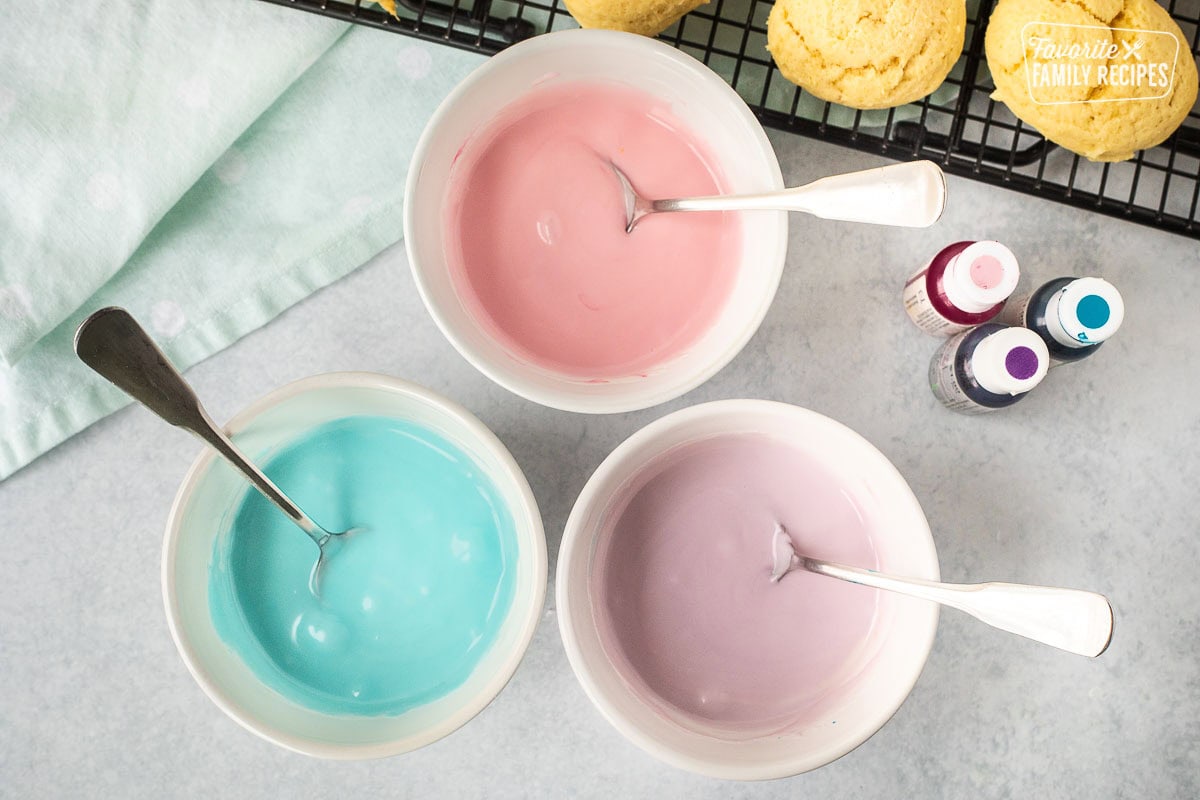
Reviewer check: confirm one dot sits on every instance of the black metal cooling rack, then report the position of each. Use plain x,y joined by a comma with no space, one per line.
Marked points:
959,126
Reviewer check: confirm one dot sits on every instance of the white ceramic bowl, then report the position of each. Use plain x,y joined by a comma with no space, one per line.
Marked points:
700,99
906,625
202,509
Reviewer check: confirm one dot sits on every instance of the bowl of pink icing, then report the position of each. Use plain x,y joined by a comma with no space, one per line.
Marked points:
671,620
514,221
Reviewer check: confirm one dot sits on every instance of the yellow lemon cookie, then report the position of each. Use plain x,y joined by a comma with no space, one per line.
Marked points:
867,53
1102,78
647,17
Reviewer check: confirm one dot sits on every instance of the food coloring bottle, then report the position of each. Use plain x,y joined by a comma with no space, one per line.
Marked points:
964,285
987,368
1072,315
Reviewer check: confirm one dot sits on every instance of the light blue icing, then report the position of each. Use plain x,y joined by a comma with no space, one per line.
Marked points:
405,610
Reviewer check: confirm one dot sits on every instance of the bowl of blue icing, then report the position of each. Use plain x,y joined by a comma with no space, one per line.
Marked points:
414,624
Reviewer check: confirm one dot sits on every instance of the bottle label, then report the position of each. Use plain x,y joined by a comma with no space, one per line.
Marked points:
944,382
1014,310
920,309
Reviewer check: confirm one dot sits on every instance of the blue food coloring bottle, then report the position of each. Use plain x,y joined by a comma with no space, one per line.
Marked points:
1074,316
987,368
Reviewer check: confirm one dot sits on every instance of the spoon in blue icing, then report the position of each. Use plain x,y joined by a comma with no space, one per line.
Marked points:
113,344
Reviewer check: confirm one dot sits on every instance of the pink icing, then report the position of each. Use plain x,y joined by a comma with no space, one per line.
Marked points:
682,590
535,235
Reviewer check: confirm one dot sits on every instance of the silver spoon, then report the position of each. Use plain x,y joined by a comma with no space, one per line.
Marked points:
112,343
910,195
1069,619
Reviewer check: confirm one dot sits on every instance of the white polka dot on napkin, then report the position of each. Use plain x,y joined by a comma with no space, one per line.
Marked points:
167,318
414,62
104,191
231,167
357,206
15,302
8,101
195,93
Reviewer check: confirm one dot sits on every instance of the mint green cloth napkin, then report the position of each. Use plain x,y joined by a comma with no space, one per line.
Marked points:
205,163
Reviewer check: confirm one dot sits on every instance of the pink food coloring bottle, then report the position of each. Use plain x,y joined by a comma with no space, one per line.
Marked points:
962,286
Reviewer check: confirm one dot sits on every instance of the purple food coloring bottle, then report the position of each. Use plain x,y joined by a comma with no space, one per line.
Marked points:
987,368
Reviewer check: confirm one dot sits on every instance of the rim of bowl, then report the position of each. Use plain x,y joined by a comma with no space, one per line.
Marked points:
563,401
572,540
527,505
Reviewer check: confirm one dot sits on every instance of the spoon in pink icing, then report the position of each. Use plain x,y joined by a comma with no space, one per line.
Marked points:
1069,619
910,195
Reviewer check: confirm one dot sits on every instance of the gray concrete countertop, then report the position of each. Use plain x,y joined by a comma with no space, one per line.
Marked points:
1090,482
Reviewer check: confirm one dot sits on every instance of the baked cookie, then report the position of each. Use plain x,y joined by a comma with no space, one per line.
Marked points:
867,53
647,17
1102,78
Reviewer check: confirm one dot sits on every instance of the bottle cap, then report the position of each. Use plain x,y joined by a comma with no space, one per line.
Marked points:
1084,312
1010,361
983,275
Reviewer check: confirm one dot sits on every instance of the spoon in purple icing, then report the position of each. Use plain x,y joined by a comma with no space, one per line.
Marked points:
1069,619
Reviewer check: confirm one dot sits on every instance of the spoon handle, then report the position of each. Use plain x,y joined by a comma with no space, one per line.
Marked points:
1070,619
910,195
113,344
